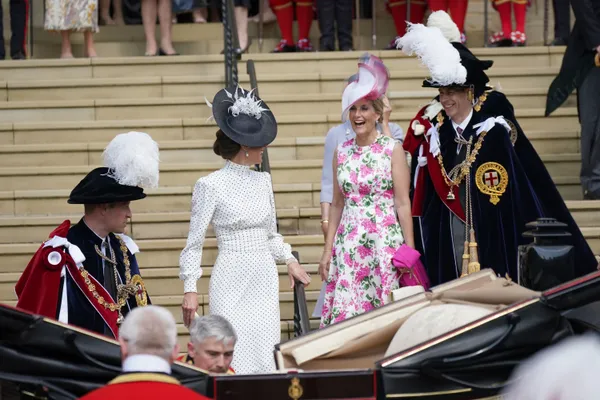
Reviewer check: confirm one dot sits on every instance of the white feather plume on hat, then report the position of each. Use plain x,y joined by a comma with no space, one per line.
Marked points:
435,52
132,159
441,19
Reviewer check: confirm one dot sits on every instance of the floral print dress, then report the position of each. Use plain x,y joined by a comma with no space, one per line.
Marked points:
75,15
361,274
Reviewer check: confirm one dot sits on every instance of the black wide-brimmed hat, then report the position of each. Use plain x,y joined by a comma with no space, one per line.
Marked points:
98,187
244,117
130,163
449,64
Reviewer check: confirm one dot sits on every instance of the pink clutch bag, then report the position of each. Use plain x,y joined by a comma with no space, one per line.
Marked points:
412,272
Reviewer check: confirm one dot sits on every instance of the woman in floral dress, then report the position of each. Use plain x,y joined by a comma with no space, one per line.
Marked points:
66,16
373,187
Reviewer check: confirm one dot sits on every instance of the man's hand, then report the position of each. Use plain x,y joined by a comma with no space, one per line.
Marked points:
189,307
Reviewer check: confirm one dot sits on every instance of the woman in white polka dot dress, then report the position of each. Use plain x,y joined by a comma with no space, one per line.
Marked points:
238,201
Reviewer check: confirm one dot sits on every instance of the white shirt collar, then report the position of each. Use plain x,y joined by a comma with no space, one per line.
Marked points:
146,363
463,125
102,238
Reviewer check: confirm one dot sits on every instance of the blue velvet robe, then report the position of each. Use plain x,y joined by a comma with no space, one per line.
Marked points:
81,312
530,194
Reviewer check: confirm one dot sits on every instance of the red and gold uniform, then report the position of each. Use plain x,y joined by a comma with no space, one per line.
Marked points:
456,8
144,385
399,11
507,36
284,10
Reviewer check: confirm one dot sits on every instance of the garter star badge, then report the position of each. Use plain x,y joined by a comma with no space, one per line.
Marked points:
491,179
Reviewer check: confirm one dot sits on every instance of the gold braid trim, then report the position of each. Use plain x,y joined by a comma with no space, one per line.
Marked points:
281,7
466,165
123,291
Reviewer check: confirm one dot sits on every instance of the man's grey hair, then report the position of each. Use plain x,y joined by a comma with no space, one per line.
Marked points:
209,326
150,330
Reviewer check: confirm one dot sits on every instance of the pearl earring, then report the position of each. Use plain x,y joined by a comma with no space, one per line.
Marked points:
246,154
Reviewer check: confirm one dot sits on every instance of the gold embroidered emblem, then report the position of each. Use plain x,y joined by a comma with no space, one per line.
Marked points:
513,132
141,296
295,390
492,179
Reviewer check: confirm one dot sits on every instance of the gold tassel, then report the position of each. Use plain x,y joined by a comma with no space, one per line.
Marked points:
473,256
465,260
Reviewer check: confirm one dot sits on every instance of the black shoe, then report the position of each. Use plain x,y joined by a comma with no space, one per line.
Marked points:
559,42
284,47
18,56
590,196
162,53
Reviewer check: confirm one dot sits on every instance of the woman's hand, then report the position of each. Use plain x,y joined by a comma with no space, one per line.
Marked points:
297,273
324,265
387,109
189,307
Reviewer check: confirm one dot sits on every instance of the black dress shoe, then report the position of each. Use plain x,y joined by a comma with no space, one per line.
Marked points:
18,56
162,53
559,42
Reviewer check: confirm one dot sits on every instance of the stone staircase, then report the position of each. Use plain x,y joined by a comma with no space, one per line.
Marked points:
56,116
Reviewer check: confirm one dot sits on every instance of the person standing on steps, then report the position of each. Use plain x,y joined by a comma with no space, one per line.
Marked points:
399,11
335,14
284,10
240,205
370,211
163,9
580,70
67,16
18,27
473,192
87,274
337,135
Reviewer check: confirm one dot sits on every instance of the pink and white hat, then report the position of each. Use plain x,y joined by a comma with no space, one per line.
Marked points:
371,83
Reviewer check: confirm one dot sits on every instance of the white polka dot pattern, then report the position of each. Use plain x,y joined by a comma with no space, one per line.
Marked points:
244,286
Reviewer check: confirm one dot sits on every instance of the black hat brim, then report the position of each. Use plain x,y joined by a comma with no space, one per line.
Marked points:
243,129
97,187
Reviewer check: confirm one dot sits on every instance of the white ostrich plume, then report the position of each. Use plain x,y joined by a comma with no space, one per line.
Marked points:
132,159
245,104
441,19
435,52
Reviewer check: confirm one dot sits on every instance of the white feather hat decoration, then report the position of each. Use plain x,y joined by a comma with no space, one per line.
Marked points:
435,52
440,19
132,159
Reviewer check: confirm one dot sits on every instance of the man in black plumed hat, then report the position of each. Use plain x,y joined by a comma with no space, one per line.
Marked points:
87,274
473,192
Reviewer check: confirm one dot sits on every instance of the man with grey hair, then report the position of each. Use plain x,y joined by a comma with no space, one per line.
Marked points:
148,339
211,345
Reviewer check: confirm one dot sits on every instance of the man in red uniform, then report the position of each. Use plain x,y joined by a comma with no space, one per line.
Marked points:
458,11
399,10
212,341
284,10
507,36
148,339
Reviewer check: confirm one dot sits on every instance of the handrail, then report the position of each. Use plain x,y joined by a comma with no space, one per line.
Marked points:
301,319
251,71
231,45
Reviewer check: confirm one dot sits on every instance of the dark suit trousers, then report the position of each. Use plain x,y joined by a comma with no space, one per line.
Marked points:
330,13
562,19
589,104
18,15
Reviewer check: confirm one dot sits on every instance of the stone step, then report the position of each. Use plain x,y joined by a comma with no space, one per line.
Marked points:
166,282
163,199
196,107
191,151
343,63
163,253
176,151
194,85
175,225
299,125
160,225
294,171
177,199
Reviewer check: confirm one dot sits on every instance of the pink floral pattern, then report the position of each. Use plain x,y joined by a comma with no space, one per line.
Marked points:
361,275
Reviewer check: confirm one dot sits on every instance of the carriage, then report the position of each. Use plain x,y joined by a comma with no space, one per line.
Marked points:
460,340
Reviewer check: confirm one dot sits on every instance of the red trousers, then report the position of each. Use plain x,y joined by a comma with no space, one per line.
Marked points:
284,10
